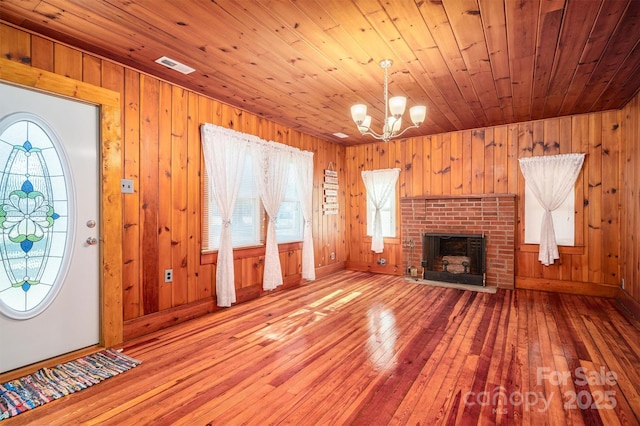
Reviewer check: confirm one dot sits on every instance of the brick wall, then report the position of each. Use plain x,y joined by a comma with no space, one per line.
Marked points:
491,215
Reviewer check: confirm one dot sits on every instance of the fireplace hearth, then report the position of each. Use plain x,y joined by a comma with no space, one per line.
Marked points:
454,258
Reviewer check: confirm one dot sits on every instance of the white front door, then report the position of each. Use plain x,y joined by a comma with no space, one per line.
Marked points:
49,230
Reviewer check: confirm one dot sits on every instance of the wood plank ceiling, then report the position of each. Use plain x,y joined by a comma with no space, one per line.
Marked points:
303,63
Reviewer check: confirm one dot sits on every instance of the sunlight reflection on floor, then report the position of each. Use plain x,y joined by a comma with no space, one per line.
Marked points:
382,337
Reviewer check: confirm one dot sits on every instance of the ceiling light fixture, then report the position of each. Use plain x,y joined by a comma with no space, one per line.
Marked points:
174,65
395,105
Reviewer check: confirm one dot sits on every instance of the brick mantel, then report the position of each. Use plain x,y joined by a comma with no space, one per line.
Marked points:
493,215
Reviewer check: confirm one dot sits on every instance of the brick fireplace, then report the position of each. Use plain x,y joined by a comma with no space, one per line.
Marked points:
491,215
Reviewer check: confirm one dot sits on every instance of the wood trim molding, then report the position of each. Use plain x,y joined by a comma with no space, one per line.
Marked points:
572,287
387,268
46,81
332,268
48,363
629,303
386,240
159,320
535,248
111,317
243,253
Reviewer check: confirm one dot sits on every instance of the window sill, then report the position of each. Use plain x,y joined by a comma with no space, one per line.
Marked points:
211,257
535,248
385,240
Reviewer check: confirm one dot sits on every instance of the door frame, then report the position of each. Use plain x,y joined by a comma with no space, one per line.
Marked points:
110,172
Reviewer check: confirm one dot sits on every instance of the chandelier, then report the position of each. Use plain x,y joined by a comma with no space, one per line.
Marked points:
395,106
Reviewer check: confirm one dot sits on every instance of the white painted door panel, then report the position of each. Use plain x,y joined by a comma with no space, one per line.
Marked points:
71,320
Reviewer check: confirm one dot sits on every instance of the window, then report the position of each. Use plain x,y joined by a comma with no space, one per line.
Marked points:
249,218
387,215
563,220
36,208
550,186
289,222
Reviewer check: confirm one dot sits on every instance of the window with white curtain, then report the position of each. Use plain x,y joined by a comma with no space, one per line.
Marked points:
248,220
230,159
551,180
563,219
289,223
387,215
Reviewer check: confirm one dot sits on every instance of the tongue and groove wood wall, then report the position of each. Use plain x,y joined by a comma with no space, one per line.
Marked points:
485,161
630,205
162,155
161,145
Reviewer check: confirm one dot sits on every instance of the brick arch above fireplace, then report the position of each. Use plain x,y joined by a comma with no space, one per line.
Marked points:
491,215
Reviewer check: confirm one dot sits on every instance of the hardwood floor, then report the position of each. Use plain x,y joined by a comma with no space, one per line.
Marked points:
363,349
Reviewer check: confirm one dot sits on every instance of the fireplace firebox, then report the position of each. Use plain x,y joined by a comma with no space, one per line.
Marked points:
454,258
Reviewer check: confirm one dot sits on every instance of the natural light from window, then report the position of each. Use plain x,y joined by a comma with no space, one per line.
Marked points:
289,223
563,220
387,216
249,218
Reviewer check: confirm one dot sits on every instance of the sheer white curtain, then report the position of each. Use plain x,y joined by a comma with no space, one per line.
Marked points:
224,152
271,165
551,179
304,178
379,185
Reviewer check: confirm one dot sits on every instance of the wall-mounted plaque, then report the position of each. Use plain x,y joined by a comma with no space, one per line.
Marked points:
330,186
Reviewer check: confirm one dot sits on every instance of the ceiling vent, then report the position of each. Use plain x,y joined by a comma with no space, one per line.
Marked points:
175,65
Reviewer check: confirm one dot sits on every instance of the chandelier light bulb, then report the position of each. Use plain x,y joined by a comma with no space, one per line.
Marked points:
358,113
418,114
397,105
366,125
392,125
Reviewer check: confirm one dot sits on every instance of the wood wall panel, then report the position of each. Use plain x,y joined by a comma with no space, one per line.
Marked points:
466,162
42,53
149,192
611,139
630,202
199,287
162,155
67,62
131,247
16,45
594,198
166,295
485,161
185,292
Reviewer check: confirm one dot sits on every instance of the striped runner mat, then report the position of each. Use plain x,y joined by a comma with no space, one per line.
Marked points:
48,384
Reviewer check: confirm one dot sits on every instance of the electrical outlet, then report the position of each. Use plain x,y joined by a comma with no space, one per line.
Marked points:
127,186
332,256
623,283
168,275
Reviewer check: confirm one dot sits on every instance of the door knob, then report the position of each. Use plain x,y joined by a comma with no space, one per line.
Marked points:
92,241
91,224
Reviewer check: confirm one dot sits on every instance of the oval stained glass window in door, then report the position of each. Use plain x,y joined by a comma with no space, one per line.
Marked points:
36,229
